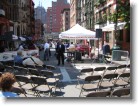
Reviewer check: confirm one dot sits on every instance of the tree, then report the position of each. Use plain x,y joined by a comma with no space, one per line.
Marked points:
121,14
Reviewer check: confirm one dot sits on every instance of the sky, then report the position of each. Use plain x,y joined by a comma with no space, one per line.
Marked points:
45,3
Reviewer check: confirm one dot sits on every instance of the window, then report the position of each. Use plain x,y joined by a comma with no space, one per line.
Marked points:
66,13
107,37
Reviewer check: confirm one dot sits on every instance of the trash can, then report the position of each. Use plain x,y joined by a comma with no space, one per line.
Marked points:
116,55
78,56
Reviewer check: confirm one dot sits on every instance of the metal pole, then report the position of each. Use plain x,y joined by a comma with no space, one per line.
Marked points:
115,33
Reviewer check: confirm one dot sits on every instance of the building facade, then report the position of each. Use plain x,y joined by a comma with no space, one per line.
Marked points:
53,16
65,19
104,15
40,13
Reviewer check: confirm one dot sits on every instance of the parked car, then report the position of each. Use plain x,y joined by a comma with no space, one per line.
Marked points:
83,48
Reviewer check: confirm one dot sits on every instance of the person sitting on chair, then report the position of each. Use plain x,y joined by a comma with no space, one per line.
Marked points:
33,60
6,84
18,59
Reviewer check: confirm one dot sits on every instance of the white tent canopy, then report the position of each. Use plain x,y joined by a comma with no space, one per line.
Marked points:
77,32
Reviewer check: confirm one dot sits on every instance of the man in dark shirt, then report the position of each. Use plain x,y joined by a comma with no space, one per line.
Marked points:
60,49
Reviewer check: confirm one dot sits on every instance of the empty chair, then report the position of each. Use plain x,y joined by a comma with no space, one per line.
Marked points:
121,68
91,83
99,94
123,92
99,71
21,70
110,69
35,72
9,63
50,67
42,86
9,68
123,80
30,66
39,67
51,80
83,74
108,81
24,82
53,69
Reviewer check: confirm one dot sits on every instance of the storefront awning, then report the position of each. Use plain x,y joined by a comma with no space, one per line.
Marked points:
111,27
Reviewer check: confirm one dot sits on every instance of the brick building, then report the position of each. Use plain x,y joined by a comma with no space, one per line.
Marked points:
53,16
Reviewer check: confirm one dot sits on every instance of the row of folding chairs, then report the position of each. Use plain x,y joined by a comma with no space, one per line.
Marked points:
102,71
121,92
27,75
107,81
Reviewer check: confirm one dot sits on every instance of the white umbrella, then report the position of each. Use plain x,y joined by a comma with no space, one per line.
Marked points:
14,37
22,38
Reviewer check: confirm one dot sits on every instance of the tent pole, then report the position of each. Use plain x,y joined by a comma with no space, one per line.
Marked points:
98,48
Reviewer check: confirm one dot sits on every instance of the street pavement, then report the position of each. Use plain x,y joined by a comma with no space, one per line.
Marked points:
69,72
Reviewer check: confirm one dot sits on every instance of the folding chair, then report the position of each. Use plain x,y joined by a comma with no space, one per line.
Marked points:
99,94
123,92
51,80
34,72
30,66
83,74
21,70
53,68
110,69
39,67
91,83
24,83
121,68
99,71
42,86
123,80
9,68
108,81
18,91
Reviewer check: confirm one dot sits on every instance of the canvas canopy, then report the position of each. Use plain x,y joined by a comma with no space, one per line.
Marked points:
77,32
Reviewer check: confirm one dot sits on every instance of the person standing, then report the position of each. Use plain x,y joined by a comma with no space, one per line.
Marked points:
60,49
46,51
106,48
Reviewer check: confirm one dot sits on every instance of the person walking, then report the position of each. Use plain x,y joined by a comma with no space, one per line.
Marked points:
46,51
60,49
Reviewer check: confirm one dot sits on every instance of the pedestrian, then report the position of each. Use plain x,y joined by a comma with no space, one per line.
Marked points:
33,60
46,51
18,58
6,84
60,49
106,48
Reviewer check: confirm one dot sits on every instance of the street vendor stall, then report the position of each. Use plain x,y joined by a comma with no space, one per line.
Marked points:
78,32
